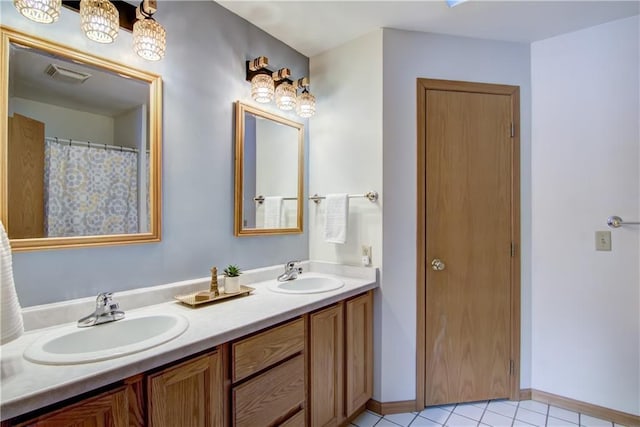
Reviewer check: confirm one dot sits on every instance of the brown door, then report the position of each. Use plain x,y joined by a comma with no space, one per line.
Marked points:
469,240
25,177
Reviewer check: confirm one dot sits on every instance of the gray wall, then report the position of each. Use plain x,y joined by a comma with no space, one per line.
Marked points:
407,56
203,74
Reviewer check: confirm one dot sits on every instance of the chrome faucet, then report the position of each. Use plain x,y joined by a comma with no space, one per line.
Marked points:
290,271
106,311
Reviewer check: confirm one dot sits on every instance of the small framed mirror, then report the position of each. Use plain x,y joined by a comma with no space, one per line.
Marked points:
80,149
269,167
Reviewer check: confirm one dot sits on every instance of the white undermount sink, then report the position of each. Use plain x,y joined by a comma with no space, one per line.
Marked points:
73,345
306,284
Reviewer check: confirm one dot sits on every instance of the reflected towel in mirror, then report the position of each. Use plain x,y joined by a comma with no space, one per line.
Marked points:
273,212
10,310
336,218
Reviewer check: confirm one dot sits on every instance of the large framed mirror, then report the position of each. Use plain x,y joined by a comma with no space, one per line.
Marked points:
269,174
80,149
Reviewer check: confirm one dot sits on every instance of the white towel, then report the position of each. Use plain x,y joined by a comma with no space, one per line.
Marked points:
336,218
10,310
273,212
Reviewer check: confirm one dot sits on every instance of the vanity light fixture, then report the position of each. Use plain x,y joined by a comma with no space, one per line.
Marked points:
285,92
42,11
99,20
267,85
262,85
306,101
149,37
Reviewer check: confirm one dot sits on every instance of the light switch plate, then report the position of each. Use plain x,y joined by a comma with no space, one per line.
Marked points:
603,240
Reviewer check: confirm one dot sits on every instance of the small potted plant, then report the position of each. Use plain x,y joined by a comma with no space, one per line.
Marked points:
232,279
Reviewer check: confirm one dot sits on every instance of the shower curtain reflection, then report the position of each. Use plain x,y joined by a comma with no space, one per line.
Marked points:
89,190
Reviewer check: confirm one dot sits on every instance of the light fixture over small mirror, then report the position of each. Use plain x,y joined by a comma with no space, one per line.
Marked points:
267,85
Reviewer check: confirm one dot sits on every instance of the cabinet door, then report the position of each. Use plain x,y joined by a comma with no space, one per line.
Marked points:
358,352
326,366
190,394
106,410
271,396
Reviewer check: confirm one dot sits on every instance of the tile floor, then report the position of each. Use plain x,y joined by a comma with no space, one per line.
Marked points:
495,413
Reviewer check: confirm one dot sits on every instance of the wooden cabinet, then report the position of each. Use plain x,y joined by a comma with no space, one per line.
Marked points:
313,370
358,352
270,397
326,353
269,377
109,409
188,394
257,352
341,360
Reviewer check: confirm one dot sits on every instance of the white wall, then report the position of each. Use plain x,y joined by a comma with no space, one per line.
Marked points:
351,135
407,56
346,149
346,155
586,142
128,130
65,122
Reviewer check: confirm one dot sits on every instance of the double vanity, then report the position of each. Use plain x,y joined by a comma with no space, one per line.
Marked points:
291,353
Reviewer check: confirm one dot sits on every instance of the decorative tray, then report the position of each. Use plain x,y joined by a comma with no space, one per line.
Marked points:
191,300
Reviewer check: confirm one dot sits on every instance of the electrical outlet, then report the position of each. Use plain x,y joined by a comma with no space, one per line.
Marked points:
366,255
603,240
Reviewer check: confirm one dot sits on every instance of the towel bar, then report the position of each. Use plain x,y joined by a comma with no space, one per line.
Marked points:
617,222
260,199
371,195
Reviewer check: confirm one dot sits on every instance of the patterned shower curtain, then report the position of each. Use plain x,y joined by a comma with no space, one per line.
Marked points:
89,191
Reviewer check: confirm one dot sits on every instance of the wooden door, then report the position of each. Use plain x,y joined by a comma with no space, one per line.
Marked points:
326,366
109,409
470,237
358,352
190,394
25,153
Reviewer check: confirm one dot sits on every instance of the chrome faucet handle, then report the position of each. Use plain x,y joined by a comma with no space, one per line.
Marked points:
290,265
103,299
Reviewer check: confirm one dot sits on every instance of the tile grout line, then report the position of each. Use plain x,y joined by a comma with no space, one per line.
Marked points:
513,420
450,413
483,412
546,419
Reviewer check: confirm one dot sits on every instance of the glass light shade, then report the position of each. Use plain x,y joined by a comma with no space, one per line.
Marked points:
262,88
286,96
99,20
149,39
306,104
42,11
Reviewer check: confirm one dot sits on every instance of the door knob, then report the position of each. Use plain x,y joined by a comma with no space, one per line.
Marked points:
437,265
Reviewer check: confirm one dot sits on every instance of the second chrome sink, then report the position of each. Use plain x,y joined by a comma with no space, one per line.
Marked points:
307,284
71,345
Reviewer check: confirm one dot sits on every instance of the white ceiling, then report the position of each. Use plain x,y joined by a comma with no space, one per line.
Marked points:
312,27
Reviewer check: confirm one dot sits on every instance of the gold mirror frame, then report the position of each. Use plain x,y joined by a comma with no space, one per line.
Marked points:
239,229
9,36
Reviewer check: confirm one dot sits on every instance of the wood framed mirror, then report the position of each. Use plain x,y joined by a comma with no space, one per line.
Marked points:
80,149
269,170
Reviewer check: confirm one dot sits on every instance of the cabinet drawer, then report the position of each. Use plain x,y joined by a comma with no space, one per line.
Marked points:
296,421
263,400
260,351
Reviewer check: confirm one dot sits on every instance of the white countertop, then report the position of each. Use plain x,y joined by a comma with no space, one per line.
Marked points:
27,386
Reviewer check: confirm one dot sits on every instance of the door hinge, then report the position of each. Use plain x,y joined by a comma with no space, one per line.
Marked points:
512,367
513,130
513,249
